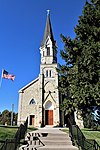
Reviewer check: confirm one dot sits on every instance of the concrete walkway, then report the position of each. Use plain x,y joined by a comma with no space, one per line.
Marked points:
49,139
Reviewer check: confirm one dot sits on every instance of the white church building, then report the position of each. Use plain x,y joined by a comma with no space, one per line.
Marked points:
39,101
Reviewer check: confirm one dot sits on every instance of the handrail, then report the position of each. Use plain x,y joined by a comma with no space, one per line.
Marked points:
33,137
79,139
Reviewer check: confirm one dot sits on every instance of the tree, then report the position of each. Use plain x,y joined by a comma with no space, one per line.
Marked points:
79,76
5,117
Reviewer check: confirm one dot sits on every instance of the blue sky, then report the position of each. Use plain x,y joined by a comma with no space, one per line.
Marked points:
22,24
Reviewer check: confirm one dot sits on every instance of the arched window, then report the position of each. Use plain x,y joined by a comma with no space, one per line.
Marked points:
49,105
32,101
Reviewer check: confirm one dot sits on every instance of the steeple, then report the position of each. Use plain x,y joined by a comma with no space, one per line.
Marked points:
48,45
48,30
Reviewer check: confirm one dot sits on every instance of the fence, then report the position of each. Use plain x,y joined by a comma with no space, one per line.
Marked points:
79,139
13,143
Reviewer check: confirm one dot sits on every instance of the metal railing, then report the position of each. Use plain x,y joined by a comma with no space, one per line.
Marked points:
33,140
79,140
13,143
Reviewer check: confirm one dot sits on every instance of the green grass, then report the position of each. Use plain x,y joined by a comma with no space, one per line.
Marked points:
89,134
9,132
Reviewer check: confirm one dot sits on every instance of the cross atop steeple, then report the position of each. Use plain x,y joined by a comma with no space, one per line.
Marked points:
48,12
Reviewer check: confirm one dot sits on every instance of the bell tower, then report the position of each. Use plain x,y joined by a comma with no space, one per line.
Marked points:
49,77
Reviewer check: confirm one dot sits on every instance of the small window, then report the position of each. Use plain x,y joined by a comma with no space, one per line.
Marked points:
48,51
43,53
32,101
46,73
50,73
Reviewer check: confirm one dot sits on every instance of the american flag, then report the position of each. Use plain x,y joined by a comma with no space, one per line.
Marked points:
6,75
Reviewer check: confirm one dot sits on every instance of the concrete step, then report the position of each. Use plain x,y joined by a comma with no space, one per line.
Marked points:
57,138
60,147
56,142
56,135
45,134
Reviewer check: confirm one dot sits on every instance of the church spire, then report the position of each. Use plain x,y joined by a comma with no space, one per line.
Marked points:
48,30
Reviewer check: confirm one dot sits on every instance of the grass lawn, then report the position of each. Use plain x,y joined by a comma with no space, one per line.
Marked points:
89,134
9,132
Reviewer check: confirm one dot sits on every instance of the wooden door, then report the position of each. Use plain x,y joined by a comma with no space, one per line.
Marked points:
32,120
49,117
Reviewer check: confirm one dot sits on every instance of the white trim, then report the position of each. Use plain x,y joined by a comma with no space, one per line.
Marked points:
29,84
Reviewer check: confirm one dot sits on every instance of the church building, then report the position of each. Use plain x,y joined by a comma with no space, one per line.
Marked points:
39,101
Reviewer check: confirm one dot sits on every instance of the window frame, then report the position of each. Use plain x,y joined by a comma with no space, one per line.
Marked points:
47,73
50,73
48,51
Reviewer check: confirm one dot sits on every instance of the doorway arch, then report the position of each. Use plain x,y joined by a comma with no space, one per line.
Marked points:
49,113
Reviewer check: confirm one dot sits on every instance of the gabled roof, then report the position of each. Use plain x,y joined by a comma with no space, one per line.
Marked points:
26,86
48,31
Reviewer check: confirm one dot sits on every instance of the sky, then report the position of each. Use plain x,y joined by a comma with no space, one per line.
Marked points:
22,24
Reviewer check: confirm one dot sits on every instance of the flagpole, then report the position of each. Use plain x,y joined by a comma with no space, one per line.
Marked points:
12,114
1,78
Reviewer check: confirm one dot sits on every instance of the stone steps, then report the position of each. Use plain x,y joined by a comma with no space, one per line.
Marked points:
52,139
57,142
57,138
56,147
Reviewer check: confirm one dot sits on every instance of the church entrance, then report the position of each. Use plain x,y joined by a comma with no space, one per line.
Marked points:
32,119
49,117
49,113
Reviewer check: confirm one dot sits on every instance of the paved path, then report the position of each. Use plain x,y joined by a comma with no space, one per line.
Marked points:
51,138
